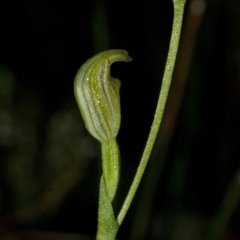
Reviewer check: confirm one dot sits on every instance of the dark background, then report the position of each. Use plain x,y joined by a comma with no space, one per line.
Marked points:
50,166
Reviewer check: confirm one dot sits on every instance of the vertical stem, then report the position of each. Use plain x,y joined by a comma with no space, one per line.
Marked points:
176,30
188,39
111,166
107,224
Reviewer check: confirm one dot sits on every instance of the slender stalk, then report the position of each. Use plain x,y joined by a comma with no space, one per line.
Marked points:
176,30
158,156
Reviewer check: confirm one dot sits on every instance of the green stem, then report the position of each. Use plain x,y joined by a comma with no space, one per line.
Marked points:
176,30
107,224
111,166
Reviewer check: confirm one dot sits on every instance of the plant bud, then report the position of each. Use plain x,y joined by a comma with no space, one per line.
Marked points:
97,94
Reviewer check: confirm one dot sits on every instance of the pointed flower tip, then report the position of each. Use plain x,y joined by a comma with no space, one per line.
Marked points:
116,55
128,59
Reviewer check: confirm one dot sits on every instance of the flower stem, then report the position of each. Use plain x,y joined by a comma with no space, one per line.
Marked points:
111,166
176,30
